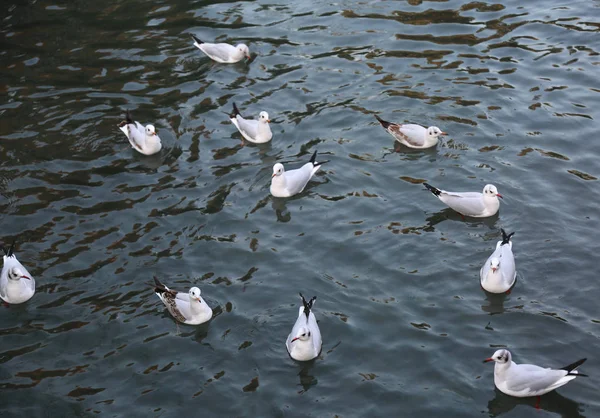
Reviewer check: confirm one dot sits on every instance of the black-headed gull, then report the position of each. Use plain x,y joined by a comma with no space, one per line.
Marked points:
304,342
256,131
16,284
223,53
188,308
288,183
474,204
498,274
412,135
144,140
524,380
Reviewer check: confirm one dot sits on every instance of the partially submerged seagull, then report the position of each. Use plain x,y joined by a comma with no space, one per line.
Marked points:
16,284
304,342
289,183
223,53
188,308
256,131
144,140
412,135
498,274
477,205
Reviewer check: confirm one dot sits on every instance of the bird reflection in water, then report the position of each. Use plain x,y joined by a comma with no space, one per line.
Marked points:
306,379
552,402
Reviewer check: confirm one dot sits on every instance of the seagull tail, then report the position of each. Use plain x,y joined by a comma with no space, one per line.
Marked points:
384,123
505,237
8,252
196,40
307,305
128,120
434,190
159,288
571,368
236,112
314,162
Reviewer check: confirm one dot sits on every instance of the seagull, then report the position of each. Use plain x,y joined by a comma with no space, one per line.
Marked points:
288,183
411,135
223,53
476,205
498,274
188,308
524,380
16,284
142,139
256,131
304,342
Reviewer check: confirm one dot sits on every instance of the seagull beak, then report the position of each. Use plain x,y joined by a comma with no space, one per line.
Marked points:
274,174
444,133
494,269
153,133
499,195
199,300
268,120
25,277
295,339
487,360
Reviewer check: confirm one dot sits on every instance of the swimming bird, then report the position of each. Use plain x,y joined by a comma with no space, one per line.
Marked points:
412,135
474,204
16,284
142,139
223,53
256,131
304,342
188,308
498,274
288,183
524,380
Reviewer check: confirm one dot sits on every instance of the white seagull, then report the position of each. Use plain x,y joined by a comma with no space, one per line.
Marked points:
304,342
411,135
498,274
474,204
223,53
256,131
524,380
16,284
288,183
188,308
142,139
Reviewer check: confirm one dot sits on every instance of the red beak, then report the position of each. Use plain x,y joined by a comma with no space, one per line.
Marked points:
25,277
274,174
444,133
295,339
487,360
268,120
499,195
494,269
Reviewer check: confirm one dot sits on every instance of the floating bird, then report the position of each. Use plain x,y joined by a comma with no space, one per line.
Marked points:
477,205
256,131
142,139
411,135
188,308
288,183
304,342
16,284
498,274
223,53
524,380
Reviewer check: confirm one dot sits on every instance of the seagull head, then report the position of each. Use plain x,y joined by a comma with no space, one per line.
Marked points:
264,117
500,356
150,131
490,191
195,294
16,273
243,48
302,335
277,170
494,264
434,132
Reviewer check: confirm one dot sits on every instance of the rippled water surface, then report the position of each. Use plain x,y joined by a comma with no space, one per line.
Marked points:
404,320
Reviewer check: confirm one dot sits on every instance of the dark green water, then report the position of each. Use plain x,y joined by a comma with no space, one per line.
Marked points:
405,324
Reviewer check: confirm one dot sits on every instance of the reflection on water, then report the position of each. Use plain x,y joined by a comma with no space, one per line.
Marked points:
307,380
552,402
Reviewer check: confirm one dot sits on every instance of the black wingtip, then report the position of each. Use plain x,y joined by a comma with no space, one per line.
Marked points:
307,305
313,159
573,366
236,112
12,248
506,237
128,117
158,286
434,190
384,123
198,41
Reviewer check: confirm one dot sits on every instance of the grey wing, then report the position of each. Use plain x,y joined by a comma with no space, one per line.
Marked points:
137,135
534,378
296,180
507,264
470,204
413,134
175,307
300,322
248,126
3,281
315,331
218,51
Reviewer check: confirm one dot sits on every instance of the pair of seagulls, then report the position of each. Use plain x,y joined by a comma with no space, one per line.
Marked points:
303,343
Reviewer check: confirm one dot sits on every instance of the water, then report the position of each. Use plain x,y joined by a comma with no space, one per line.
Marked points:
404,320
